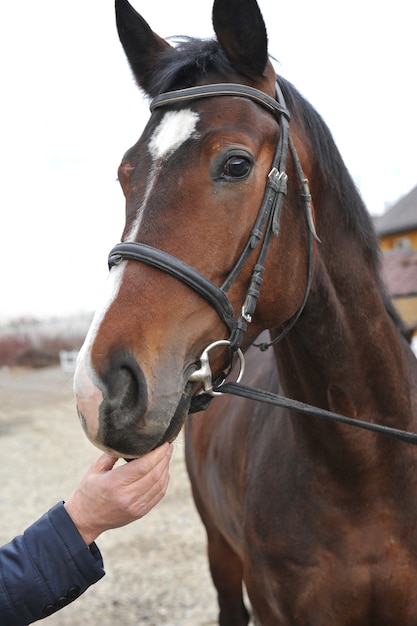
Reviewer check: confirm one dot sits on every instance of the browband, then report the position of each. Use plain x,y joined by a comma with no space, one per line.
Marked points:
220,89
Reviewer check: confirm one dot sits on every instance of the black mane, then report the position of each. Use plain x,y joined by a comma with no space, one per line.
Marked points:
335,175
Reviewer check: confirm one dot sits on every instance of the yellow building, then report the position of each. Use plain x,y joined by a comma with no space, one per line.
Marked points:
397,232
397,228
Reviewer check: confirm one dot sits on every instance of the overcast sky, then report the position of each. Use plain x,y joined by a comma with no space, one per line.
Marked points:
70,109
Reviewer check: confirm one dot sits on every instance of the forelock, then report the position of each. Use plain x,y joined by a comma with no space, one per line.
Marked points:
187,63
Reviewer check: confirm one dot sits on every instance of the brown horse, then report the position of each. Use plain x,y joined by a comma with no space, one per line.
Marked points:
318,520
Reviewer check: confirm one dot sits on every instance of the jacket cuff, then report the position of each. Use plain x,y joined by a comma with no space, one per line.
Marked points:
50,566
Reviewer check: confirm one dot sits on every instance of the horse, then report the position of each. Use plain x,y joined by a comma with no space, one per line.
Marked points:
242,221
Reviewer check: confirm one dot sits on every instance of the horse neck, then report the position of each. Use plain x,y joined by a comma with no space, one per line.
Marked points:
345,352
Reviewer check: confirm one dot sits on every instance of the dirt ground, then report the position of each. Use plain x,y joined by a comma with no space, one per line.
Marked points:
156,568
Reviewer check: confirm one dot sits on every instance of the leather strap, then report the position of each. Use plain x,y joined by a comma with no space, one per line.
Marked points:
220,89
260,395
180,270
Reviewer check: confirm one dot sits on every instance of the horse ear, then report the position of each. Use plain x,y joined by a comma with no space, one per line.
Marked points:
241,32
141,45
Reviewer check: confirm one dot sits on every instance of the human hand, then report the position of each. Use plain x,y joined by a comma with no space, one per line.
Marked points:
109,498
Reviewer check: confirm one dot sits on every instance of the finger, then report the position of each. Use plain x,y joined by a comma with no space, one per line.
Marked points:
147,487
152,458
144,465
159,490
104,463
152,497
153,480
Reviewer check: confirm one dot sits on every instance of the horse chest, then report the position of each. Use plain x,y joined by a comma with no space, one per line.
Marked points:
323,576
311,557
336,593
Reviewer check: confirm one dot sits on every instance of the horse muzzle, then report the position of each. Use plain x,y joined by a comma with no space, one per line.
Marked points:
118,408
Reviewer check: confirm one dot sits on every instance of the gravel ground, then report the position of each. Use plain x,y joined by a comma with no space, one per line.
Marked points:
157,571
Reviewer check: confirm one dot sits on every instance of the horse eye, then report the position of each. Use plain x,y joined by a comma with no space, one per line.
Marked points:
236,167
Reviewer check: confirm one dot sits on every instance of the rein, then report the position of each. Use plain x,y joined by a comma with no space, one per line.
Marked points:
266,225
218,387
260,395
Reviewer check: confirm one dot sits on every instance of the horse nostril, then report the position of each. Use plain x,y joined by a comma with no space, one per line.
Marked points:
128,391
125,390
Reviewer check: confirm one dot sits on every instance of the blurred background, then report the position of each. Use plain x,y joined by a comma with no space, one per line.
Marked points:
70,109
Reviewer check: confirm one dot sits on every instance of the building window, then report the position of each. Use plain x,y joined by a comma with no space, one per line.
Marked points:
400,243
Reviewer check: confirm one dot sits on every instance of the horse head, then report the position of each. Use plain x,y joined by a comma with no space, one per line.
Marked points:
194,183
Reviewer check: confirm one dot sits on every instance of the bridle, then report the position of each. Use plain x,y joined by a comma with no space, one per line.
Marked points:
266,224
265,227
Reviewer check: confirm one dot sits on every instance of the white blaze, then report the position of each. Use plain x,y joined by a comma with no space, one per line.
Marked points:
174,129
84,378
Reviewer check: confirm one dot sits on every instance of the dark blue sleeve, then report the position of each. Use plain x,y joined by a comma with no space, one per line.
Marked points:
45,569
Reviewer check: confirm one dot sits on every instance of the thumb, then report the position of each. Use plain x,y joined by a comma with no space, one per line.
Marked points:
104,463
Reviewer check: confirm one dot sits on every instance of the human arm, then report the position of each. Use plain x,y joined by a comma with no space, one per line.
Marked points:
45,569
53,562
